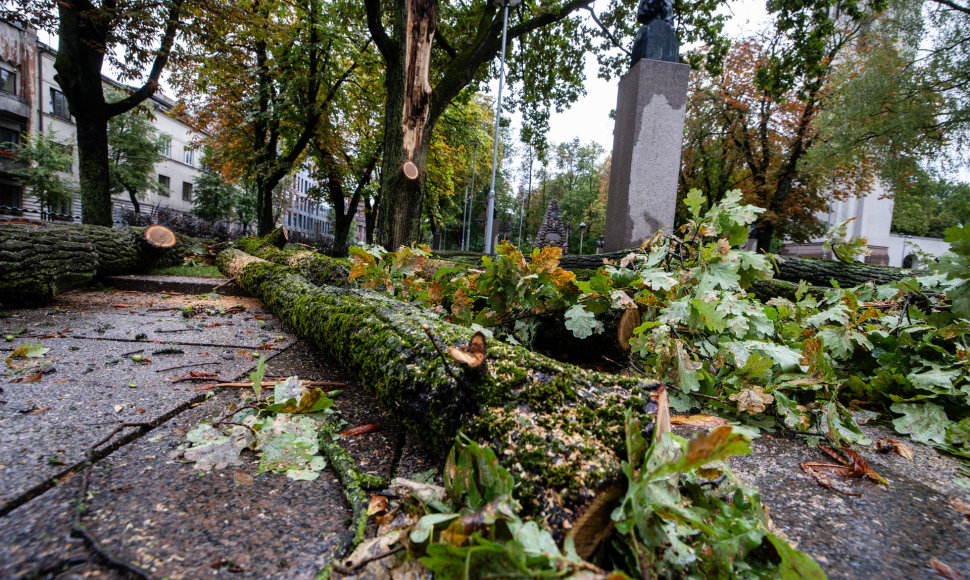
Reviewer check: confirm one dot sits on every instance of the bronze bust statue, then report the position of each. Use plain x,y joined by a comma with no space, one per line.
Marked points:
656,39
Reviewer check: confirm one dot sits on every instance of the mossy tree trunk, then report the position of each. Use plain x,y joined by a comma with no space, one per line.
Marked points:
557,427
40,262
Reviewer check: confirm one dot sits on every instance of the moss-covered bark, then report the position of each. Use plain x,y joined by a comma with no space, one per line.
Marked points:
41,261
557,427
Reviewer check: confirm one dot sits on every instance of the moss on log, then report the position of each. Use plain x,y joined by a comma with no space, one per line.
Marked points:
317,268
558,428
44,260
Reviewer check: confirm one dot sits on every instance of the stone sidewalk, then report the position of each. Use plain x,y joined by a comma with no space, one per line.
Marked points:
144,505
147,508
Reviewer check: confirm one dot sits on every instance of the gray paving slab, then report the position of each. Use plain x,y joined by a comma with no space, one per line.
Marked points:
146,506
149,509
183,284
46,426
888,532
152,317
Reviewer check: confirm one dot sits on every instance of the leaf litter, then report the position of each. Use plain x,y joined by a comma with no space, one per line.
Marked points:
283,430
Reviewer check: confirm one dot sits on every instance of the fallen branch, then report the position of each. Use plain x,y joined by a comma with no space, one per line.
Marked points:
558,428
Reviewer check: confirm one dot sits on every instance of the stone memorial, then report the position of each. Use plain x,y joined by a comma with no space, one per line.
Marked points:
648,134
552,231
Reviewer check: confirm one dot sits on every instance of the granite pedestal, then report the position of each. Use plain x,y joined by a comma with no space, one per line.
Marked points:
646,152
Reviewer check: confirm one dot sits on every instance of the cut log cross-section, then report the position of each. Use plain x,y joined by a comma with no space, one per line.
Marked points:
558,428
40,261
160,237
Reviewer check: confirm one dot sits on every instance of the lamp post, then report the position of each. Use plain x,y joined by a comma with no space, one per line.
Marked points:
489,217
582,231
469,201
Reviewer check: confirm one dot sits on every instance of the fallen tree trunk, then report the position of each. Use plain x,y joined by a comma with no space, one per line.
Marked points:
558,428
817,272
44,260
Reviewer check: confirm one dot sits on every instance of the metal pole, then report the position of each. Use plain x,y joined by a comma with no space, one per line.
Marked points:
489,213
464,216
471,198
582,232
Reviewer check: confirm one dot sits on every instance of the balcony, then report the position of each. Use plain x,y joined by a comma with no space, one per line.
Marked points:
13,107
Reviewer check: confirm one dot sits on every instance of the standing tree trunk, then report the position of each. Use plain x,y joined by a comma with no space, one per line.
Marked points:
406,127
83,33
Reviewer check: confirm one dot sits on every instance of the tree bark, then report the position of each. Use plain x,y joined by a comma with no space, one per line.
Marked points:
556,427
40,262
83,32
817,272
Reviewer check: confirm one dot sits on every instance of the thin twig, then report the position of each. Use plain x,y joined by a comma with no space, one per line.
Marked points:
444,361
224,284
180,330
77,526
133,352
187,366
231,413
347,570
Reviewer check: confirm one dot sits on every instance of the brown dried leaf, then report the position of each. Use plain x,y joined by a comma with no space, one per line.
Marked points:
30,379
663,412
823,479
39,411
960,505
360,430
473,355
885,445
628,322
752,401
944,571
700,420
377,505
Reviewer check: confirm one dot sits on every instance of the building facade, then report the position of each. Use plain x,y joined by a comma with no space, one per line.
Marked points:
873,215
31,102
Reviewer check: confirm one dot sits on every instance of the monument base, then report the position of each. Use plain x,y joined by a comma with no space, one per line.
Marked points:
647,140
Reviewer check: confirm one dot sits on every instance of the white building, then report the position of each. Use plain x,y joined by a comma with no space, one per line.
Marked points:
873,218
31,101
305,215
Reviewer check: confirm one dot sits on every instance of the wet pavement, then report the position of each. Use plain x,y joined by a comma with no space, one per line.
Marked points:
148,508
145,505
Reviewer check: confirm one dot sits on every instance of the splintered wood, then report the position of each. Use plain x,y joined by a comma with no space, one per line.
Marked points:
417,90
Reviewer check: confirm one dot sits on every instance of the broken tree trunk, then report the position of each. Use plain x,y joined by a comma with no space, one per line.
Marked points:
43,260
816,272
558,428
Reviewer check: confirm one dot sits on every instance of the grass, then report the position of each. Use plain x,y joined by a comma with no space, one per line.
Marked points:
197,270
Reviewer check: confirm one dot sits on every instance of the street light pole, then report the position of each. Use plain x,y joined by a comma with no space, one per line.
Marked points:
489,215
470,199
582,231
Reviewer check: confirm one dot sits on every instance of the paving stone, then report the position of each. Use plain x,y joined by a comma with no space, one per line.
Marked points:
888,532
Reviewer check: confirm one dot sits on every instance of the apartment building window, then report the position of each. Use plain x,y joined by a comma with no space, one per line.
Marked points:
67,151
166,185
188,154
59,106
10,194
8,81
165,147
186,191
9,139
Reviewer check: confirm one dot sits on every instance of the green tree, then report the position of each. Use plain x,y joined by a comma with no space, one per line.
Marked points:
213,198
45,158
244,206
259,77
133,150
450,47
132,36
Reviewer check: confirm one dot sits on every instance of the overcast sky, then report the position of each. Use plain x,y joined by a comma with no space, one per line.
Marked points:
589,117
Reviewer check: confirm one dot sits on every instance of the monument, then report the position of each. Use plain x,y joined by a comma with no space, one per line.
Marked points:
552,232
648,134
